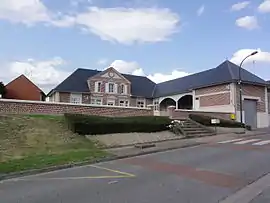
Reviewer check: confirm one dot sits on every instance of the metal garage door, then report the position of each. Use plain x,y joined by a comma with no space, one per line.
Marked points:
250,108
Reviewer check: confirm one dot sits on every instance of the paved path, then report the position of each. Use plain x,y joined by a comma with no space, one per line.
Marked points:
210,173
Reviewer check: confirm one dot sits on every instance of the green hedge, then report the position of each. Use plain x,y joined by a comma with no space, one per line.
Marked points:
90,125
206,120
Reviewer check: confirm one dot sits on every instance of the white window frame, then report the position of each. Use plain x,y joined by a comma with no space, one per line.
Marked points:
75,98
141,101
156,105
99,88
122,89
111,102
96,100
113,89
124,102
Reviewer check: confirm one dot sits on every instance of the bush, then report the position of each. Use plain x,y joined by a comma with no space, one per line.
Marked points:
90,125
206,120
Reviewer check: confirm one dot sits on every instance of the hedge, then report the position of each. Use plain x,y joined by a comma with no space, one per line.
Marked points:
206,120
93,125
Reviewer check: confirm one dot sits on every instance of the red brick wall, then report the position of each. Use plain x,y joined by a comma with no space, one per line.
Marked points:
17,107
216,99
23,89
213,89
253,91
184,114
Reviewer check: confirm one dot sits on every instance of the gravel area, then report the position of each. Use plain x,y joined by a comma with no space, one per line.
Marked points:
123,139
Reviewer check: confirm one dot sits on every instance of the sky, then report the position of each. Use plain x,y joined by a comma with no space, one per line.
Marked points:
47,39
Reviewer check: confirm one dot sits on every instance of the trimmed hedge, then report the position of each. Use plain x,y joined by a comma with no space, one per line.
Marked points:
93,125
206,120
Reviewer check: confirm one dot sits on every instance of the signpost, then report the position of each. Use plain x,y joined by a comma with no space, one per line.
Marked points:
215,121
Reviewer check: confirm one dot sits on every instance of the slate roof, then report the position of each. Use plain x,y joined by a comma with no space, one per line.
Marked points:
224,73
142,86
77,82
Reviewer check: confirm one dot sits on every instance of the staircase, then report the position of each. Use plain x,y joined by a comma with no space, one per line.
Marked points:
190,128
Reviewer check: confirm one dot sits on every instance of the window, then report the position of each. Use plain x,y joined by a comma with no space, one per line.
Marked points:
141,103
123,103
156,105
110,102
96,101
76,98
99,86
122,89
111,87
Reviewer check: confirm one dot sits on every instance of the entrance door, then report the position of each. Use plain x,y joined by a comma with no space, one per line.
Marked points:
250,108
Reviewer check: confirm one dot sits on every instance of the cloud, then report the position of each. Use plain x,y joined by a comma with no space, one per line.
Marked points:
134,69
264,7
247,22
261,56
200,11
128,25
45,74
24,11
102,62
121,25
240,6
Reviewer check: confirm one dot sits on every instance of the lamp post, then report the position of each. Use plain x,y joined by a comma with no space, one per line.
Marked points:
240,84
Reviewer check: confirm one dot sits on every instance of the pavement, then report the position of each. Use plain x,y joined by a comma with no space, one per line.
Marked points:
225,170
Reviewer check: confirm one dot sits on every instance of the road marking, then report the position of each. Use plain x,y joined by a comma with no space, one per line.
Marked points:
73,178
115,171
262,142
247,141
229,141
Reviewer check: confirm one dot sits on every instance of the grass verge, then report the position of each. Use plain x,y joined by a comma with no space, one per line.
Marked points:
38,141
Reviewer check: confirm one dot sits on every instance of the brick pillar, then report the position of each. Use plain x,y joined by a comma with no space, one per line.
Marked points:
171,110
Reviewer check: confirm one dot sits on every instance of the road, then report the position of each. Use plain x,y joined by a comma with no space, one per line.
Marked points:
226,172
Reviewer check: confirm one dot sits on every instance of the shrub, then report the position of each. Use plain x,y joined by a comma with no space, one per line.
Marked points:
206,120
90,125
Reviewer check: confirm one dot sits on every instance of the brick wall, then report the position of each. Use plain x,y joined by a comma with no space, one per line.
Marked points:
31,107
253,91
214,95
216,99
184,114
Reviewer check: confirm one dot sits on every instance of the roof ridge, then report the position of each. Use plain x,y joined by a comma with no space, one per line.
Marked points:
230,69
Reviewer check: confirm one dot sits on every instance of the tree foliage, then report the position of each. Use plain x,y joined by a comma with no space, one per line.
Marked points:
2,89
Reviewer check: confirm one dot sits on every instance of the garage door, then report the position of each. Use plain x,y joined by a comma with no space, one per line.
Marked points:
250,108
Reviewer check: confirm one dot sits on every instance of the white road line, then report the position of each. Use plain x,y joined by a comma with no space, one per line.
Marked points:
247,141
229,141
262,142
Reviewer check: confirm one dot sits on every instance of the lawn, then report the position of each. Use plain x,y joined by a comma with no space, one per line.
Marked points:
37,141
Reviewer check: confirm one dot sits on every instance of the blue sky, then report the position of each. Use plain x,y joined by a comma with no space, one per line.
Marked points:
47,39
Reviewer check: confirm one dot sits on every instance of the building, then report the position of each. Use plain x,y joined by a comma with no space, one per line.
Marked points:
213,90
21,88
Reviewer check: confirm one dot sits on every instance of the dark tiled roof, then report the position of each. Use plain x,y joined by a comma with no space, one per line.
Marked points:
224,73
77,82
144,87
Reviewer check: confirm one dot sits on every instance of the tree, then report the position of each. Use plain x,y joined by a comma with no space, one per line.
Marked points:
3,90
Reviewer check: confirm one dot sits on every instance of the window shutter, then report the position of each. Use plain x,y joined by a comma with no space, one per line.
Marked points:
107,87
96,86
115,88
125,89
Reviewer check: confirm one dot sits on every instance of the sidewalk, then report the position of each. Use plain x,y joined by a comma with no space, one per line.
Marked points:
176,144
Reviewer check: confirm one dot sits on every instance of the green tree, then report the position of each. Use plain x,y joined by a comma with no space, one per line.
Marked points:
3,90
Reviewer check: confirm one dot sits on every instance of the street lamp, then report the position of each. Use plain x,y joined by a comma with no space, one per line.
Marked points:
240,84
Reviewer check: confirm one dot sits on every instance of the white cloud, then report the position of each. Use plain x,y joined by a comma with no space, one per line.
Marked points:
264,7
102,62
239,6
128,25
261,56
122,25
45,74
134,69
24,11
247,22
200,11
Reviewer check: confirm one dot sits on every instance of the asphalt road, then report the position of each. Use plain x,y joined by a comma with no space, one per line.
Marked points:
204,174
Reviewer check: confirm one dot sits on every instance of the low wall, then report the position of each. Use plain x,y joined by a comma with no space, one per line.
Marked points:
32,107
184,114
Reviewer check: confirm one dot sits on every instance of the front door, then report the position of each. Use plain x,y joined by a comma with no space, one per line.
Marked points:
250,109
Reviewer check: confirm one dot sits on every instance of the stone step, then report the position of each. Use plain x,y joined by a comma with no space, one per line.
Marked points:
197,132
195,129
